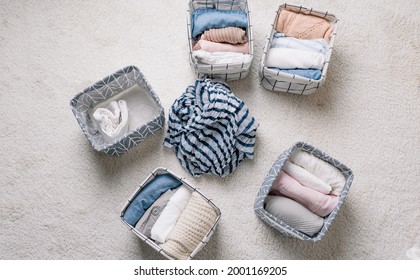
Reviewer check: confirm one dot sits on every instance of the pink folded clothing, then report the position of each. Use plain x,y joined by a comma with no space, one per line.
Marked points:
303,26
220,47
317,202
232,35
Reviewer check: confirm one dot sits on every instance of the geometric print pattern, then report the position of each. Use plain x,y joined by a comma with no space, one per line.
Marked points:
272,174
227,72
123,79
277,80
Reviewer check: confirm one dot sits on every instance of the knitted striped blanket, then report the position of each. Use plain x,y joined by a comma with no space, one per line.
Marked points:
210,129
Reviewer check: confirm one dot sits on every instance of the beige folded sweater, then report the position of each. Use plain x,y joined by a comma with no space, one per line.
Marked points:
232,35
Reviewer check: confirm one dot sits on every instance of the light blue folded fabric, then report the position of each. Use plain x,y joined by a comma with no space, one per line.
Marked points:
313,74
148,195
204,19
316,45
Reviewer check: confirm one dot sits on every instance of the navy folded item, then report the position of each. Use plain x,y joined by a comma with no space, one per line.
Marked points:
205,19
210,129
148,195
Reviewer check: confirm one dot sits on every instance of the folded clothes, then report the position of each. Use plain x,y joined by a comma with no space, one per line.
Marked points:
315,201
290,59
220,47
313,74
315,45
321,169
146,222
193,225
293,214
232,35
147,195
303,26
306,178
170,214
221,57
210,129
205,19
112,121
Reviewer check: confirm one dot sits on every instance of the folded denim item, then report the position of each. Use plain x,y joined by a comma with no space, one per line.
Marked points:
221,57
321,169
232,35
220,47
112,121
146,222
290,59
313,74
303,26
147,195
315,201
170,214
294,214
306,178
315,45
205,19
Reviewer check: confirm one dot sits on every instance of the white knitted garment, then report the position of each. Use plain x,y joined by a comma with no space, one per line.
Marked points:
192,226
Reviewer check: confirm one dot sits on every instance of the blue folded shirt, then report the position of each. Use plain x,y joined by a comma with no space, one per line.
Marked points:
313,74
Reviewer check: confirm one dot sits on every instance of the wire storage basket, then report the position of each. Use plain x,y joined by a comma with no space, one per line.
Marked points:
281,225
276,80
145,112
227,71
209,229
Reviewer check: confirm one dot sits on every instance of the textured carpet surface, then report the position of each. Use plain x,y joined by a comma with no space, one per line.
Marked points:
59,199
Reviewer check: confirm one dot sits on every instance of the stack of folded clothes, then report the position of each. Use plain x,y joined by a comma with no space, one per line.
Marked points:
300,44
172,215
219,36
305,191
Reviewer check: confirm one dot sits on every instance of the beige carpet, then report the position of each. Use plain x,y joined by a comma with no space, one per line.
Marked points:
59,199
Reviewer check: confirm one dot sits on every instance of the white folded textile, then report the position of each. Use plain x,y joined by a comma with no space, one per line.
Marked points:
306,178
285,58
321,169
170,214
112,121
221,57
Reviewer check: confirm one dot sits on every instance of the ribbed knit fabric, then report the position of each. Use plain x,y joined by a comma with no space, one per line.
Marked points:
232,35
192,226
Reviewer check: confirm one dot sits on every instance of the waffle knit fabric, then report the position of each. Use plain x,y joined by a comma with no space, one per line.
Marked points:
232,35
192,226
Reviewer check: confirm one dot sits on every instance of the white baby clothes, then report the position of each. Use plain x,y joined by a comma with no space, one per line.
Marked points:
112,121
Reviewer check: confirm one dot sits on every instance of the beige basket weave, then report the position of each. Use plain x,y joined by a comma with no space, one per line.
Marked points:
276,80
222,71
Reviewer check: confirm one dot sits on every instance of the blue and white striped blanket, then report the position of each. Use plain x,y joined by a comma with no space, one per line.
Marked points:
210,129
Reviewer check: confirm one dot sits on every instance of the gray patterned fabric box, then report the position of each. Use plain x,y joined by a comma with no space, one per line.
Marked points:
281,226
145,113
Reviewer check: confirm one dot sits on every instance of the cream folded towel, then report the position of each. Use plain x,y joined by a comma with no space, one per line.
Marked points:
285,58
193,225
321,169
221,57
232,35
306,178
209,46
112,121
170,214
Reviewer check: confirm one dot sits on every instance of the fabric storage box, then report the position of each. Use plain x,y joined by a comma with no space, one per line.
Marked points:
276,80
177,229
143,116
270,180
216,68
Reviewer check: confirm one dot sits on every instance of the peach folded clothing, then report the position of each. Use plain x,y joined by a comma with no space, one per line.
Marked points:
220,47
318,203
303,26
232,35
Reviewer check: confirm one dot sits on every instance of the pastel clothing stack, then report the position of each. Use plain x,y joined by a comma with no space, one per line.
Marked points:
221,32
210,129
300,45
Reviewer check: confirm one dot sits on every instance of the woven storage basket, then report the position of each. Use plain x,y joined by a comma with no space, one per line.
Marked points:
151,242
222,71
274,171
128,78
279,81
